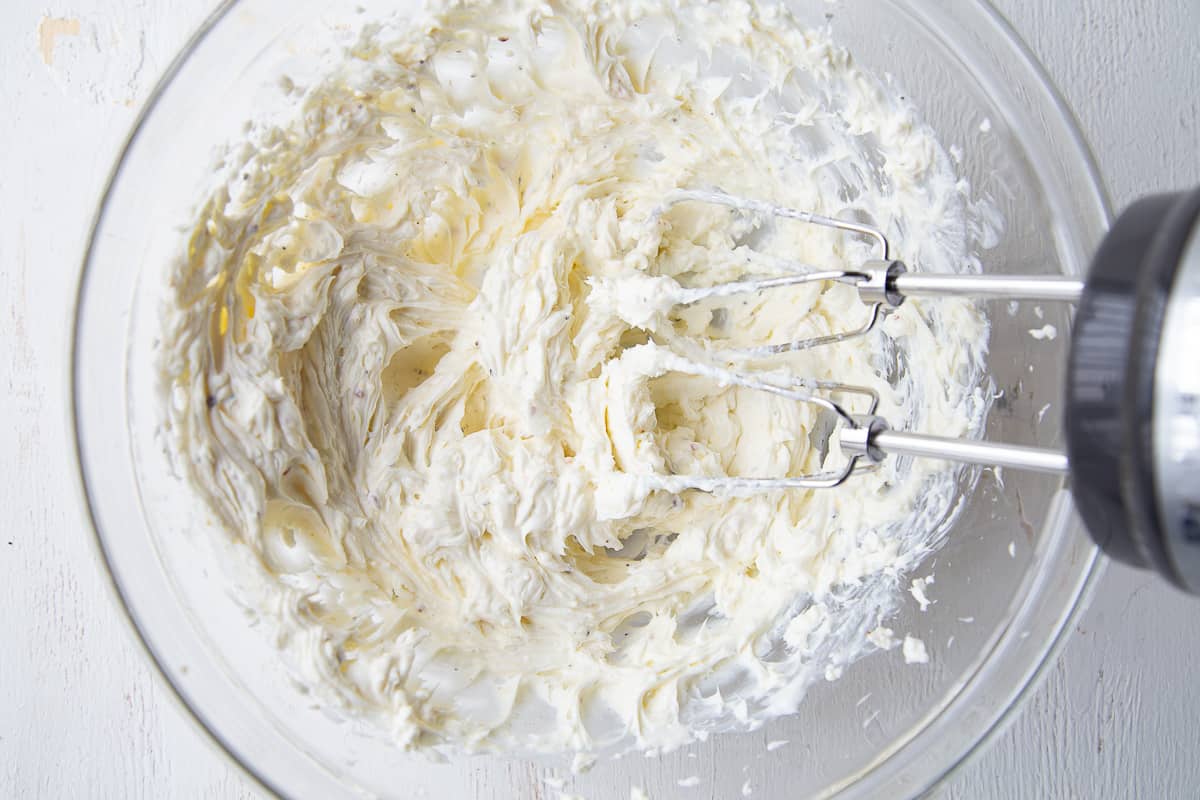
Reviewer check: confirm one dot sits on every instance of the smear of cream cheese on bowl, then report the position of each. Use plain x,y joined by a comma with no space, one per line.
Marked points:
416,359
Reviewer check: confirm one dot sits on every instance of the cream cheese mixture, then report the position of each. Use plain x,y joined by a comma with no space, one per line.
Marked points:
420,353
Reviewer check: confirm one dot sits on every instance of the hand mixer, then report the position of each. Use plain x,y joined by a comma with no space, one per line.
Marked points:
1132,405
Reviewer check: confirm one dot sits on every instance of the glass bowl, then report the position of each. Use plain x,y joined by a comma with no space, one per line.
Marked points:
1012,574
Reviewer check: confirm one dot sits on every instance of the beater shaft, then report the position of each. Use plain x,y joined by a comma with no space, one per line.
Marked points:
1052,288
1010,456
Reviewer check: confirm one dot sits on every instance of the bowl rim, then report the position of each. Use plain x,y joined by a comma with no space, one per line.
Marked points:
1096,561
1089,574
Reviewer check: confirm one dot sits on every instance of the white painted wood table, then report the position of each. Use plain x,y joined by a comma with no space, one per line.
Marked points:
82,715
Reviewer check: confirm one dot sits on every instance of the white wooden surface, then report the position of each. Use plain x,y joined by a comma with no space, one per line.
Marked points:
81,714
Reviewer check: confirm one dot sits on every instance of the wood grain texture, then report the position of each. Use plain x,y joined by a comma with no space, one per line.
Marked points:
81,714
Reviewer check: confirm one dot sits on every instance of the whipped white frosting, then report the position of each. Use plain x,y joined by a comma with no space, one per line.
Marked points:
421,355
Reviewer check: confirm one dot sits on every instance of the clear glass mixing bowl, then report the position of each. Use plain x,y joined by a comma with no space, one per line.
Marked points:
885,729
